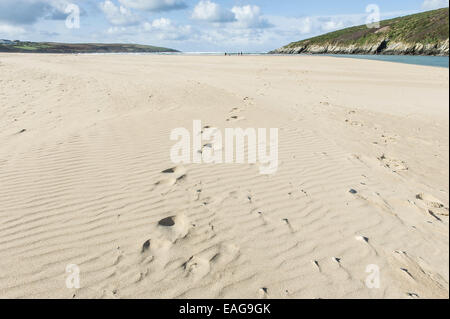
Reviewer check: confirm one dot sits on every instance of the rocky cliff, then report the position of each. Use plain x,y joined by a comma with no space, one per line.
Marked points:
383,47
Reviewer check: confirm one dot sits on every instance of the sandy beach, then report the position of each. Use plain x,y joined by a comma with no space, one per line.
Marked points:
86,178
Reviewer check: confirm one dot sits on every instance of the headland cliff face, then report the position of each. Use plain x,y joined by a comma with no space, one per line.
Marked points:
383,47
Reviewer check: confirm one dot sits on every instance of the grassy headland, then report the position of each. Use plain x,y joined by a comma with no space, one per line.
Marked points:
50,47
424,33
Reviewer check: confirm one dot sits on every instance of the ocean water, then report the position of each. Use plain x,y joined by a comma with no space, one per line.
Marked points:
438,61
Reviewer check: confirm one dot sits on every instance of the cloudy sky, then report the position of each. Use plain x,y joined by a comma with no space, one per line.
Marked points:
192,25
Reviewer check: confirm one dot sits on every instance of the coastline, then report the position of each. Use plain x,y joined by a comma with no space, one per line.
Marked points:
424,60
383,47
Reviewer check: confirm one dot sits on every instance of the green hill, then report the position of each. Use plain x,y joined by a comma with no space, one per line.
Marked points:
50,47
418,34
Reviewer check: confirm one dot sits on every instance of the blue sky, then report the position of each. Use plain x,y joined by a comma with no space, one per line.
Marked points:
193,25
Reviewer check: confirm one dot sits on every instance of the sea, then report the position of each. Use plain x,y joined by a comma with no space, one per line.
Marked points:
437,61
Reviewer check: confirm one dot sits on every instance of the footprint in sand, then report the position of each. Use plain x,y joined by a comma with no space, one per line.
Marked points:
338,261
179,170
154,252
266,220
226,254
316,264
386,138
354,123
198,194
406,271
141,276
118,256
416,275
433,205
174,228
168,231
235,118
288,223
176,175
154,247
362,239
393,164
432,202
263,293
196,267
146,246
365,240
211,147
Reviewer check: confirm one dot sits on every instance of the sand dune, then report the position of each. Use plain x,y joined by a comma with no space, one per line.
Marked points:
86,178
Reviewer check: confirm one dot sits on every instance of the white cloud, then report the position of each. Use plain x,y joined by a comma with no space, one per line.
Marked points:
313,25
117,30
161,24
23,12
59,8
165,29
7,30
245,17
434,4
305,25
209,11
154,5
118,15
332,25
250,17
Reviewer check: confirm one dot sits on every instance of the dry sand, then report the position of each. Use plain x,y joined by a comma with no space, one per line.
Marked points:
84,140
